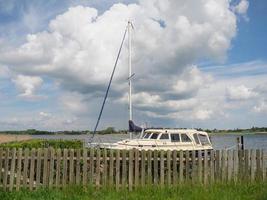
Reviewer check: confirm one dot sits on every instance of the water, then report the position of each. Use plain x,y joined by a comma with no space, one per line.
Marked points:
256,141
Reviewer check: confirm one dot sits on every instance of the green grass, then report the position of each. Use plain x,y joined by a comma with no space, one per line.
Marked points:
40,143
255,191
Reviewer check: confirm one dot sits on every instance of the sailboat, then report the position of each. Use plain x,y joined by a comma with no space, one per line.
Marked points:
154,138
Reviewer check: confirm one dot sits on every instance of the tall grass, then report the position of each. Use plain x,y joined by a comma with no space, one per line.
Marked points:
40,143
244,191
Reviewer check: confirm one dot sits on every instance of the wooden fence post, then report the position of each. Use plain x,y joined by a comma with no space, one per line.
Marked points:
58,166
19,164
6,169
143,165
111,168
25,167
118,169
181,166
174,166
45,167
12,170
124,172
105,167
169,168
65,169
84,172
136,168
98,157
32,168
149,167
71,169
162,174
200,170
78,166
130,175
155,163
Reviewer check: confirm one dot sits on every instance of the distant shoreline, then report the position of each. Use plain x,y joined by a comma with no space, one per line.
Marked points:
238,133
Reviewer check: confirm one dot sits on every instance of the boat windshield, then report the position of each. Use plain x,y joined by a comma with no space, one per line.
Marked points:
185,138
196,138
147,135
204,139
154,136
175,137
164,136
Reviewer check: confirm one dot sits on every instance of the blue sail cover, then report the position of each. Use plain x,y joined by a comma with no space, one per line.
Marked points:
133,127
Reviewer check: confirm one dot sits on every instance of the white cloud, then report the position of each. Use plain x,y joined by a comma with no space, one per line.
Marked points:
261,107
78,50
28,85
45,114
242,7
240,92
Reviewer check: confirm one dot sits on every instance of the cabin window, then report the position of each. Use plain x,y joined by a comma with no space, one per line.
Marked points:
204,139
185,138
175,137
154,136
196,138
147,135
164,136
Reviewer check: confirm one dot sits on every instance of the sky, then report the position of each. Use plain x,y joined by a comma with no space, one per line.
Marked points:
196,64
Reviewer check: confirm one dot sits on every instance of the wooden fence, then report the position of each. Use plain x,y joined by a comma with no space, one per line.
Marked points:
60,167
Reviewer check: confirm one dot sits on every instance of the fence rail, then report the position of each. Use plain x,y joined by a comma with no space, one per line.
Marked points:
120,168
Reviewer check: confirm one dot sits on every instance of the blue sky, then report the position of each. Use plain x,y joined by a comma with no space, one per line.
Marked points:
201,70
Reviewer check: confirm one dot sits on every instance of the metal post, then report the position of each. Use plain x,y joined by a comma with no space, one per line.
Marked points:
130,71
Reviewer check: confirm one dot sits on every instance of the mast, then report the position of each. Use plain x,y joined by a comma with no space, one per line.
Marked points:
130,71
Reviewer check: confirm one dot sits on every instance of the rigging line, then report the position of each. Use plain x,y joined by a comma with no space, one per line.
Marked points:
111,77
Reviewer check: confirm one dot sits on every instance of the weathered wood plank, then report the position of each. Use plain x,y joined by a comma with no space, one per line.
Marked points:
155,164
65,167
118,169
124,169
253,165
264,165
78,167
169,181
230,165
162,170
25,168
105,167
187,166
193,166
12,169
58,167
143,165
32,168
224,164
174,166
149,167
19,165
212,157
246,163
84,172
1,164
92,166
45,168
205,167
236,165
258,165
98,167
71,169
51,167
6,169
181,166
38,168
136,168
130,170
111,168
200,170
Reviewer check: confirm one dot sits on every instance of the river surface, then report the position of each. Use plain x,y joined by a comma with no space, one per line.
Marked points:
255,141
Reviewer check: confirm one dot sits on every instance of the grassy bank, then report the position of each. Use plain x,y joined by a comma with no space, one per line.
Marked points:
257,191
40,143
